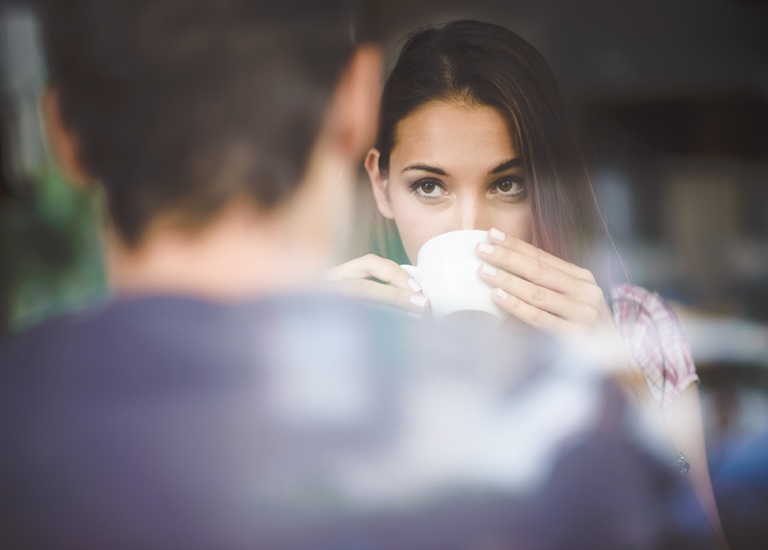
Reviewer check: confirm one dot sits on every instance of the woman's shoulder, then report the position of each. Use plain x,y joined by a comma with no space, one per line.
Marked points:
656,339
626,295
636,306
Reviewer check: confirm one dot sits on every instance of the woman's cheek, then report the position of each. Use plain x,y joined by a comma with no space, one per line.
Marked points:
517,222
413,225
413,237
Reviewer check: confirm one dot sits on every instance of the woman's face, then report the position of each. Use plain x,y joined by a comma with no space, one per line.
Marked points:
454,166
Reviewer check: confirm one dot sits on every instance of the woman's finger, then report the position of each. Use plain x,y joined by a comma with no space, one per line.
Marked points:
375,266
394,286
529,314
372,291
498,237
540,297
539,272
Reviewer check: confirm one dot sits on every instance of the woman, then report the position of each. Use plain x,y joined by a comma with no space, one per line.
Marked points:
474,134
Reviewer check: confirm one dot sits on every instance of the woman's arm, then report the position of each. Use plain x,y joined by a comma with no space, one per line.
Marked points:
683,419
556,296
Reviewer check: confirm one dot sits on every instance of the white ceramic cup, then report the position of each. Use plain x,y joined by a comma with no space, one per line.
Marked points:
447,270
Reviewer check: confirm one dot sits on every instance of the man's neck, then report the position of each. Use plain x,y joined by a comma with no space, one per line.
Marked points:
239,255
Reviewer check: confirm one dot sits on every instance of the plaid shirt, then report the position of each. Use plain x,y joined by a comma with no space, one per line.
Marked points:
655,339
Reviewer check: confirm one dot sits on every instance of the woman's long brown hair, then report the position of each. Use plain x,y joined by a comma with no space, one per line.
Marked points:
485,64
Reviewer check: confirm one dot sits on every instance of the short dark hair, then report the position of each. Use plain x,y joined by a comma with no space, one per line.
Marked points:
180,106
483,63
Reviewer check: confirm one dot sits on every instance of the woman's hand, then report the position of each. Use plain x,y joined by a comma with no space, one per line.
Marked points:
394,286
540,289
559,297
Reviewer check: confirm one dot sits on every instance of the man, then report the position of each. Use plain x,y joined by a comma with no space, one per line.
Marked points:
226,137
217,401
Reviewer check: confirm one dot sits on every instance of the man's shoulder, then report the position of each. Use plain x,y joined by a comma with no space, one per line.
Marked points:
153,327
32,342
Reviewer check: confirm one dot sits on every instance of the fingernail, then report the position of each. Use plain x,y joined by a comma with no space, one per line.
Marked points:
416,287
497,235
501,293
489,270
419,301
486,248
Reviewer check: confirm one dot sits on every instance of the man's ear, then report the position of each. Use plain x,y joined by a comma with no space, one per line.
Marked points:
379,184
64,144
355,106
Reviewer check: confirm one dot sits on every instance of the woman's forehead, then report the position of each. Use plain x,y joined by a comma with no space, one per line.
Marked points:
454,133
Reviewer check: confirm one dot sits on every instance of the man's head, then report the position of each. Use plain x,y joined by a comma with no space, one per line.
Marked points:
179,108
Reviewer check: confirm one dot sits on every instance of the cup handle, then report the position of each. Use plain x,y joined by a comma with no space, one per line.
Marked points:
412,271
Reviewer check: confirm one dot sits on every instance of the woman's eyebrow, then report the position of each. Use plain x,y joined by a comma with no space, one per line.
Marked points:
506,165
425,168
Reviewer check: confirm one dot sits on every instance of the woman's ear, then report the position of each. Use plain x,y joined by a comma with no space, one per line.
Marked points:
378,183
63,143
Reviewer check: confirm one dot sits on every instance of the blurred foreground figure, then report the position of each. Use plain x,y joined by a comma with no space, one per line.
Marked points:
218,401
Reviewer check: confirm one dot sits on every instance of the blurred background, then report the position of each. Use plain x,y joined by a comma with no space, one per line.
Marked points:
673,96
50,258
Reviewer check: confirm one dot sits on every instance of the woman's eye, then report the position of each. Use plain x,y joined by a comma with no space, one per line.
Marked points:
509,187
427,188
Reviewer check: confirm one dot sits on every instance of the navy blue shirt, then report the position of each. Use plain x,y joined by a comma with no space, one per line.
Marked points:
294,421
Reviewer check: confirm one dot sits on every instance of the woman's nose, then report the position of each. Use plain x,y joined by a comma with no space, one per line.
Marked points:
473,216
